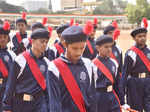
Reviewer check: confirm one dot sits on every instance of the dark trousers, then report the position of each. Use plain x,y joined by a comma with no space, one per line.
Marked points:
107,102
138,94
37,105
2,89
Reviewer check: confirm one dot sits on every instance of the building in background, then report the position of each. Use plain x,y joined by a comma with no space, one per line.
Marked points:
70,4
34,5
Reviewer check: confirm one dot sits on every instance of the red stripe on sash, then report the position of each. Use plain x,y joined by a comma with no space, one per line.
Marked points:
142,56
3,69
90,47
107,73
19,38
113,57
59,48
35,70
71,84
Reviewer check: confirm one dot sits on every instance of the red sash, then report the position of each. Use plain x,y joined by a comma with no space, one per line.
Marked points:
90,47
107,73
142,56
35,70
71,84
3,69
19,38
113,57
59,48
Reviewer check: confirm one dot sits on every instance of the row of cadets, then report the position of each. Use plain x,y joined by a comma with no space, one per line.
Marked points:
58,47
70,77
90,49
26,86
6,58
21,24
136,71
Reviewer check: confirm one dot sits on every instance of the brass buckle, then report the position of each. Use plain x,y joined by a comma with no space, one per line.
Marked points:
142,75
1,81
27,97
110,88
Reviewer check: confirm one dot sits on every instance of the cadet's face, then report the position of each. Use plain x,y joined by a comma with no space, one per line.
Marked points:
3,40
105,49
140,39
110,33
40,44
74,50
59,35
21,27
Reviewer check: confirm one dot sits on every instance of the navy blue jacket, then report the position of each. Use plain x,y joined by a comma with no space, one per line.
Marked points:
18,47
7,57
102,81
21,79
60,99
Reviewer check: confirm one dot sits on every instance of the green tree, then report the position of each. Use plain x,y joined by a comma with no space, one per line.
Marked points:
136,12
110,7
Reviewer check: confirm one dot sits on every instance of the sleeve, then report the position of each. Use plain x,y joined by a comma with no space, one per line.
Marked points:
91,92
18,48
54,101
10,86
117,85
15,44
127,69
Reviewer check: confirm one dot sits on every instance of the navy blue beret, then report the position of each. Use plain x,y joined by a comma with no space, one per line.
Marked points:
40,33
138,30
2,31
108,29
21,20
103,40
61,28
74,34
37,25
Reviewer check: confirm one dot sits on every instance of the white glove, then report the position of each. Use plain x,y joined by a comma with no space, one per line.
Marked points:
125,106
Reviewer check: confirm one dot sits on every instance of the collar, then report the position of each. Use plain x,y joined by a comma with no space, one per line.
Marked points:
31,53
103,58
80,62
136,45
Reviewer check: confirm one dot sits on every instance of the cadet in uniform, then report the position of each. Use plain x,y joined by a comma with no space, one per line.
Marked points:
6,58
115,54
26,86
106,77
69,81
136,72
18,46
58,47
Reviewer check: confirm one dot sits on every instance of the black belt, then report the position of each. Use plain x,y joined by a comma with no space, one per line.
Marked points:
105,89
141,75
28,97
